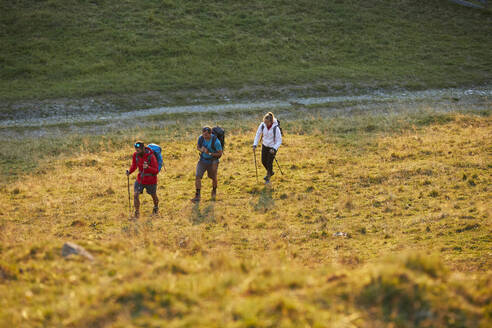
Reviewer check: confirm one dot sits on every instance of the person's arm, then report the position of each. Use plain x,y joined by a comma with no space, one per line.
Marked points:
201,148
218,149
154,166
278,138
217,154
134,165
258,134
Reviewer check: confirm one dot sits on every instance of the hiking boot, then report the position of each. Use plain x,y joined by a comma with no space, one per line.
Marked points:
268,176
155,211
214,194
196,199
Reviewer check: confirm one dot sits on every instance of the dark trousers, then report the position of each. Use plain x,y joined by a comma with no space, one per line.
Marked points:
267,159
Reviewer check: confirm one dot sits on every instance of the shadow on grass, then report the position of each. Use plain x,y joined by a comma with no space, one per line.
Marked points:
265,199
205,215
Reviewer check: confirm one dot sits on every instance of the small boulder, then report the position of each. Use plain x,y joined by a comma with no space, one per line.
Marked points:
71,248
183,242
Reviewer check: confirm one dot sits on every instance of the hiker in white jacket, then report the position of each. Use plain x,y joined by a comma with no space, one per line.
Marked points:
272,139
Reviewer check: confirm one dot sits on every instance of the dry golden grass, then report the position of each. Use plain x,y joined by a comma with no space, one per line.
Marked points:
413,211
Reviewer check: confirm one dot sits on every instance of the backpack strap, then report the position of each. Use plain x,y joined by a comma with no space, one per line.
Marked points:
149,160
201,140
214,140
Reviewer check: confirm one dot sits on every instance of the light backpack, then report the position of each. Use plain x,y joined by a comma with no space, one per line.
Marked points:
158,153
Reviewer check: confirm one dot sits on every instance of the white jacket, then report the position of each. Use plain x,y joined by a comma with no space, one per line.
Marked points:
268,138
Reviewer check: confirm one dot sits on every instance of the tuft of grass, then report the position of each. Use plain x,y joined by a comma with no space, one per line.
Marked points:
430,265
401,295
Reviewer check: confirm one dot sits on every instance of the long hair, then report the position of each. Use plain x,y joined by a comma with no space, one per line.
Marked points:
269,116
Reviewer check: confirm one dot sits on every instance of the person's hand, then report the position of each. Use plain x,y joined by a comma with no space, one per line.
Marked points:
204,149
254,147
145,165
272,151
127,172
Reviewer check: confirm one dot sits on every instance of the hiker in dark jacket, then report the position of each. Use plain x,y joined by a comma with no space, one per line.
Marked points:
147,165
272,139
209,161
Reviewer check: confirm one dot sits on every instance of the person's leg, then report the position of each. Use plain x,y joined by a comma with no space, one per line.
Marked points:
200,169
198,187
212,174
136,201
264,159
155,199
264,154
136,204
267,161
152,190
198,183
270,158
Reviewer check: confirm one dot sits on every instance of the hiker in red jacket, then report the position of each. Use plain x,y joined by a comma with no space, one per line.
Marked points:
144,159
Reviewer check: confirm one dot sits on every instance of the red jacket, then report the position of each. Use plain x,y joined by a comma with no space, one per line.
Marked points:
149,175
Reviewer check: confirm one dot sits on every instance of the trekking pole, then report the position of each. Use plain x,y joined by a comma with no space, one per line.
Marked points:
256,167
129,203
279,166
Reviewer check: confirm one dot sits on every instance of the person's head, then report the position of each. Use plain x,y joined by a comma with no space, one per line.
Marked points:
206,132
268,118
139,147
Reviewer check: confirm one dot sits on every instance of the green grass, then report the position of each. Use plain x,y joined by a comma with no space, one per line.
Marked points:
86,48
381,227
356,130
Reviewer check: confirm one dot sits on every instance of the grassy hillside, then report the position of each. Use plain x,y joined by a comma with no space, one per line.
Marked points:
61,48
368,228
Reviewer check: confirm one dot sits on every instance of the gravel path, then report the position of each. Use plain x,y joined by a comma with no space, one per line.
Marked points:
98,118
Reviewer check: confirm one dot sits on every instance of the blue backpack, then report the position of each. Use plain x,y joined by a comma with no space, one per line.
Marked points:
157,152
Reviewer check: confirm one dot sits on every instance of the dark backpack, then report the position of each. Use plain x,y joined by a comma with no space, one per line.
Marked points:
280,128
217,133
220,133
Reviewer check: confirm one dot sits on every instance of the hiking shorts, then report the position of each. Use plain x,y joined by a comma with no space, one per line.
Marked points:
210,166
139,188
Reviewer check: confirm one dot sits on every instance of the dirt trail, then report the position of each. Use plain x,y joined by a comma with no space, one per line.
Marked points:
99,119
